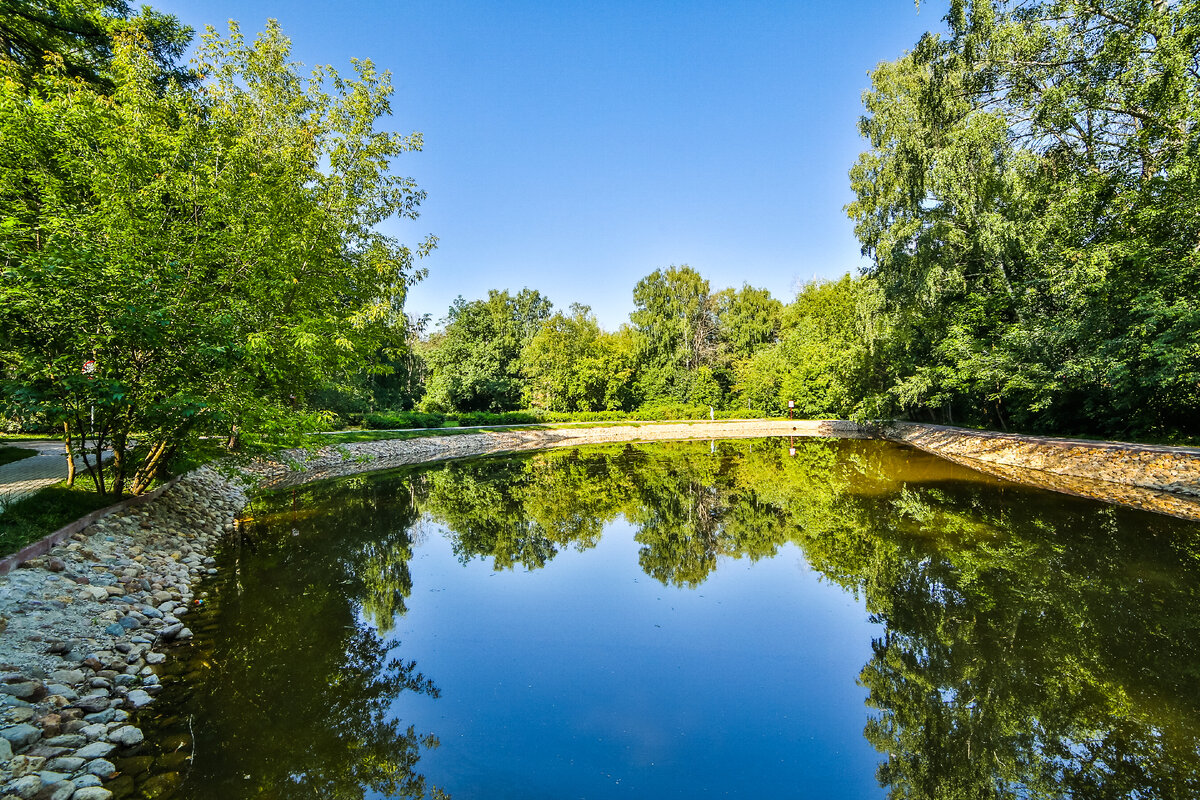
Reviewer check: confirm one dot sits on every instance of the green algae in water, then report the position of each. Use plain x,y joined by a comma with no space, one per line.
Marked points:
687,619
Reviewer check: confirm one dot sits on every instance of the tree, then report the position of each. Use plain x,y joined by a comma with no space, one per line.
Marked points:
675,319
79,34
573,365
210,250
747,319
1029,202
475,364
824,358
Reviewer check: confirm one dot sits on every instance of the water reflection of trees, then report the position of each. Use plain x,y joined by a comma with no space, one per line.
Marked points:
293,654
1035,645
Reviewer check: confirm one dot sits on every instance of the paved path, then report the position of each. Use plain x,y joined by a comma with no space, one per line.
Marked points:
28,476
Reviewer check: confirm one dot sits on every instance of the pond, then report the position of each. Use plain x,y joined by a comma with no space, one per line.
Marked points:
753,618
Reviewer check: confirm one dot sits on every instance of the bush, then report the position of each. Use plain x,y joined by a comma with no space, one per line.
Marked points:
388,420
501,418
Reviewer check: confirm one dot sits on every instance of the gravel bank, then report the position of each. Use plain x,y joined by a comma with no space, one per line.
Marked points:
82,629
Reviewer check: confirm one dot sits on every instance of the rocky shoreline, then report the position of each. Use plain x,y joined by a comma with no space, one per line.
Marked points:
84,627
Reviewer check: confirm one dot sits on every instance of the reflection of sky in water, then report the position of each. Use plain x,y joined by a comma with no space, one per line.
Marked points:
588,678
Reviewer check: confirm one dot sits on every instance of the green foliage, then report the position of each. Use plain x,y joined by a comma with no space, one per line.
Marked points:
474,365
675,320
33,518
572,365
385,420
80,34
212,249
10,454
1030,204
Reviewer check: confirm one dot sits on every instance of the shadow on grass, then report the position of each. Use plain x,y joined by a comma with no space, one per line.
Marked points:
10,454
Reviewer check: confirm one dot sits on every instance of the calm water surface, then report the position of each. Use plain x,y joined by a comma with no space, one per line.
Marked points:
859,620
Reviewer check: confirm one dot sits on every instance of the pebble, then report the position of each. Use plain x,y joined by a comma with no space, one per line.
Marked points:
85,628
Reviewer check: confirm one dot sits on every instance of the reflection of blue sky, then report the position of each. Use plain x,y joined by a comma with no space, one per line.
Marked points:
587,678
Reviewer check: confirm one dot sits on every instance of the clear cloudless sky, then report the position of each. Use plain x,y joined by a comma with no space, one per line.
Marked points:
575,147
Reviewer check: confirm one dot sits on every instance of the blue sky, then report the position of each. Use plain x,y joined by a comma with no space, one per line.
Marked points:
575,147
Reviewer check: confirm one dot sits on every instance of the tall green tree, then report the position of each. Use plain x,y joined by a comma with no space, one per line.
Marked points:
79,36
675,318
1029,202
210,251
475,364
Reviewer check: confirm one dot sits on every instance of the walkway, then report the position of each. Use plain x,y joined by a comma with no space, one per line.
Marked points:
20,479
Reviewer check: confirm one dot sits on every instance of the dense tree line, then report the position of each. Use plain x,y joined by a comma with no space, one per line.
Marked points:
685,348
1030,203
192,249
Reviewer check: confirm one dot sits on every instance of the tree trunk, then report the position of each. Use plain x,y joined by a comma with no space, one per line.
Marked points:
70,455
118,481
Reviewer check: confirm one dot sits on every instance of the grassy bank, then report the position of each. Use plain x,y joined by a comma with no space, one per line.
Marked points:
39,515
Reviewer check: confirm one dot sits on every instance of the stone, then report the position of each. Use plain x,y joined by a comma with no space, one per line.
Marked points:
25,690
26,765
92,793
69,677
6,752
101,768
107,715
138,698
21,735
155,658
95,750
25,788
62,791
92,703
55,564
67,740
92,732
50,778
171,631
66,763
126,736
186,633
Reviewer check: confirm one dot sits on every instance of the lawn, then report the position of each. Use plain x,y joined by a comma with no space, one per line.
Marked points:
10,454
41,514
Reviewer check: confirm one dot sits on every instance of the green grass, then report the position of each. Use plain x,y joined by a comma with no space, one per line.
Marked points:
10,454
41,514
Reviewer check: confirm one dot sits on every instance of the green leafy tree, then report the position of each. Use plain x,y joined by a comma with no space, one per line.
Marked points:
78,35
211,250
573,365
1029,202
747,320
475,364
674,316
